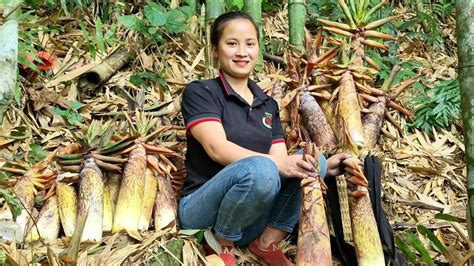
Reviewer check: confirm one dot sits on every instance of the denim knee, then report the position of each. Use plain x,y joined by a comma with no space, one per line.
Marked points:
264,175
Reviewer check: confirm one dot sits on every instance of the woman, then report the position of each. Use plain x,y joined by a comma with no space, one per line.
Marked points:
240,180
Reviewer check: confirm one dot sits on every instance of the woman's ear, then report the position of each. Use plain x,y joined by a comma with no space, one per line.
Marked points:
214,53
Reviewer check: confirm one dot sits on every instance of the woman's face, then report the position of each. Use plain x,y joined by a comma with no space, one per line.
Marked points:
237,50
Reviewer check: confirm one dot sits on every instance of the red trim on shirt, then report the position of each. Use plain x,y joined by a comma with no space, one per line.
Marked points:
278,141
221,76
206,119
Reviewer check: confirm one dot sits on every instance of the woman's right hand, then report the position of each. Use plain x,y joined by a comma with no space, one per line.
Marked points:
293,166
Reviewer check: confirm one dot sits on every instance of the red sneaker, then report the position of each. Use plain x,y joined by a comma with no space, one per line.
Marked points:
227,256
273,255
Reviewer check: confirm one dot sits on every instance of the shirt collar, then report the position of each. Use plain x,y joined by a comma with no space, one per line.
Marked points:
256,90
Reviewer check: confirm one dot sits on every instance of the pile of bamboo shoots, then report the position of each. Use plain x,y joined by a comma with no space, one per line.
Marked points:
126,186
342,110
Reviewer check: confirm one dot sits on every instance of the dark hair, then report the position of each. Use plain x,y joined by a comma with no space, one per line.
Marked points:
221,21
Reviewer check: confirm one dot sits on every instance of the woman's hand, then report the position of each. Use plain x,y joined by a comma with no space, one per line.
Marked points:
334,164
292,166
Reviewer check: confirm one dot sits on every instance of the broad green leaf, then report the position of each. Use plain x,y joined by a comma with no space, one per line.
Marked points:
37,152
156,16
187,10
175,21
131,22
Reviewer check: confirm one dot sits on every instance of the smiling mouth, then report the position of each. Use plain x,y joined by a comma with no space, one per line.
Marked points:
240,62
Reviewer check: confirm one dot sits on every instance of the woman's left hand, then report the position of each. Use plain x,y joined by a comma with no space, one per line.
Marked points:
334,164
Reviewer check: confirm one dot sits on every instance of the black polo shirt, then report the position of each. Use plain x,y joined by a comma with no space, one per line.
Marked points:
255,127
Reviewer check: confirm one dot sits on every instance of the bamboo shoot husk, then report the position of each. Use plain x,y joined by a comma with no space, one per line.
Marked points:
67,204
113,184
372,123
130,199
349,114
313,234
316,123
91,201
108,217
151,186
165,208
47,224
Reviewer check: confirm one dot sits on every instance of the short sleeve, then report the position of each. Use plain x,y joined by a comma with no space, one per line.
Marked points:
277,131
200,104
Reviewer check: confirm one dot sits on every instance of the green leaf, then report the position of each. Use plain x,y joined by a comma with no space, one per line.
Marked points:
433,238
409,254
60,112
413,240
37,152
131,22
211,240
74,117
189,232
76,105
155,14
187,10
448,217
99,35
13,202
175,21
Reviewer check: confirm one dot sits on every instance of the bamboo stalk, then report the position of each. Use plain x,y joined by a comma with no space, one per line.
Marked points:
101,73
297,19
8,64
214,8
464,33
254,9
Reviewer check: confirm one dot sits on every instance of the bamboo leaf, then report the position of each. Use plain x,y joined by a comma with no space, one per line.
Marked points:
211,240
99,35
409,254
413,240
433,238
37,153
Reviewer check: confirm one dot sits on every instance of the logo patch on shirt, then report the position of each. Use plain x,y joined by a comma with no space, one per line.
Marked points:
267,120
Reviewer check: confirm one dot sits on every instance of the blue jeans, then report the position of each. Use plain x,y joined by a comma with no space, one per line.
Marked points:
241,200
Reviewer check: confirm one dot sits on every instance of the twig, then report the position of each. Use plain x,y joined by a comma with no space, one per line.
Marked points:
275,59
391,119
